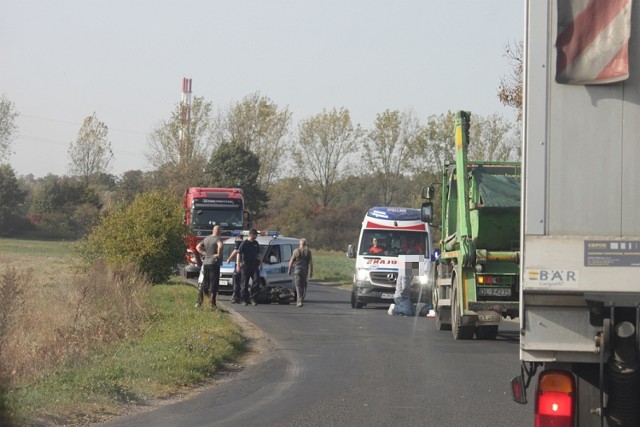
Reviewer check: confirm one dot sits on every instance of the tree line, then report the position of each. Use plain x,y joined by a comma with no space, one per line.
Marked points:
313,180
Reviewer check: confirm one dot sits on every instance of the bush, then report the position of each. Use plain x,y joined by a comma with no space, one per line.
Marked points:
14,225
148,234
54,225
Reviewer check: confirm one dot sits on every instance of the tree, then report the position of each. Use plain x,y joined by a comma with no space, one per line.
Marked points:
11,200
510,88
184,137
321,154
433,145
387,151
8,128
64,206
91,153
179,147
232,165
131,184
148,234
490,139
257,124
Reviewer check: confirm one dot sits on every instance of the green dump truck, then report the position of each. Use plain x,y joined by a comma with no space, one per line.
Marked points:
477,273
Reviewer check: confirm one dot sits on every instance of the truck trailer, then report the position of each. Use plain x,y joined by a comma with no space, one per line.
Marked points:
580,237
477,282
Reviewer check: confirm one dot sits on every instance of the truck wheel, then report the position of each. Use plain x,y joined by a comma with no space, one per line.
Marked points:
354,299
458,330
487,332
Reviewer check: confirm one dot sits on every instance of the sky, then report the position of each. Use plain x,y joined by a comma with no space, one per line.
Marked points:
124,60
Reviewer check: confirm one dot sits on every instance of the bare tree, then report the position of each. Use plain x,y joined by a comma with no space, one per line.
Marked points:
492,139
324,143
183,140
8,128
510,88
433,144
387,151
257,124
91,152
179,147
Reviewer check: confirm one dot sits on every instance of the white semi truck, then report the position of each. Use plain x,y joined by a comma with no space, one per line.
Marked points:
580,224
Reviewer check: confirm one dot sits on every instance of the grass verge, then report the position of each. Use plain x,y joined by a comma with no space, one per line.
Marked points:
333,266
180,347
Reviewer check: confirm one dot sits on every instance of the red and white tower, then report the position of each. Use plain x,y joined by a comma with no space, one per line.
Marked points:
185,119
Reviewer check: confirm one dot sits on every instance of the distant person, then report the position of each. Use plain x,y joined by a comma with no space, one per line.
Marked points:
249,262
236,296
376,248
408,268
302,262
413,246
211,248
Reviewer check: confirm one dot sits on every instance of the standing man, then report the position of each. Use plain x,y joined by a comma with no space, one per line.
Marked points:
211,248
249,263
237,290
303,267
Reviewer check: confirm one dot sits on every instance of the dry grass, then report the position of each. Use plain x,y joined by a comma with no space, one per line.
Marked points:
62,323
52,315
77,345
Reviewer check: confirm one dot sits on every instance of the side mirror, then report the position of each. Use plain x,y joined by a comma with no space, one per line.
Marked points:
435,255
426,212
351,251
428,192
273,259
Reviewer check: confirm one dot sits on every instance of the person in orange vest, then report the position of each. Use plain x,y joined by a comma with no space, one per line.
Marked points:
375,248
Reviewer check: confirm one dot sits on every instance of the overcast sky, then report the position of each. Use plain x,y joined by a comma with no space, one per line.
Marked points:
61,61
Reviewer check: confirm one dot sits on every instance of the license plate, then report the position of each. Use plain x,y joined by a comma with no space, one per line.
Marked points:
494,292
225,283
386,296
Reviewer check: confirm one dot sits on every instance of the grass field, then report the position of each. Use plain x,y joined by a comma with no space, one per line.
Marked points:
63,364
333,266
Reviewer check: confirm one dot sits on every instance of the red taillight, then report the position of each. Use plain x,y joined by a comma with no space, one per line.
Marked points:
555,406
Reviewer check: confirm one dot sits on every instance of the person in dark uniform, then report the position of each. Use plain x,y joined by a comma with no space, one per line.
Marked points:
249,262
236,278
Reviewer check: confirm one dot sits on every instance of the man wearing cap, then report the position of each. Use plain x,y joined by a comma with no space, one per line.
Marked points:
237,290
249,262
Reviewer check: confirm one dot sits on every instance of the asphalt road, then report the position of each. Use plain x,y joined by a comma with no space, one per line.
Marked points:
326,364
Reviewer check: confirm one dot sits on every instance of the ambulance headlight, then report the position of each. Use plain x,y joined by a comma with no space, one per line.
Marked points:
363,275
423,280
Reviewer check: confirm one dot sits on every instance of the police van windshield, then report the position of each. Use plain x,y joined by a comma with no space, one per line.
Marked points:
393,243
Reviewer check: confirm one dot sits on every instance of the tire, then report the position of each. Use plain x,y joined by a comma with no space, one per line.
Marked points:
487,332
355,303
459,331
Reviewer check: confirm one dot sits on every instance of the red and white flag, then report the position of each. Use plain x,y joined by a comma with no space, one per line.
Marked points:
593,41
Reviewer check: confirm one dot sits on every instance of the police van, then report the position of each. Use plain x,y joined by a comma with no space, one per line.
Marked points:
386,233
275,253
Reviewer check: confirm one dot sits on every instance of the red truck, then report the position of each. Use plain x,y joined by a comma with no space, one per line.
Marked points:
206,207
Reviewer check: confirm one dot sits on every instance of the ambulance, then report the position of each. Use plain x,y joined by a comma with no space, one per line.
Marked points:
386,233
